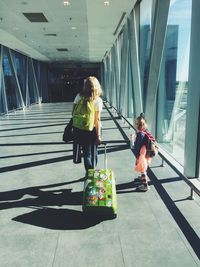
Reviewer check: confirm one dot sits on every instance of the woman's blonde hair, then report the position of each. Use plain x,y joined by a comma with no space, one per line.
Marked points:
91,89
140,122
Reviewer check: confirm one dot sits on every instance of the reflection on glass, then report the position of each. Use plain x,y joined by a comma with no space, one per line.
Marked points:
173,85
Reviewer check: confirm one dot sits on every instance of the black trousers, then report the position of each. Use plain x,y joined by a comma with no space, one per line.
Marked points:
87,140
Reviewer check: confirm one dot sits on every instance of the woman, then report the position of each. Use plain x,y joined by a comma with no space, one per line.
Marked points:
90,139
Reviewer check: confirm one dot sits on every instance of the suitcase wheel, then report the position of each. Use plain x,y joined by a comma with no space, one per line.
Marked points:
114,216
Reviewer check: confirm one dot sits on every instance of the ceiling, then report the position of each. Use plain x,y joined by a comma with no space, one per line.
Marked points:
86,29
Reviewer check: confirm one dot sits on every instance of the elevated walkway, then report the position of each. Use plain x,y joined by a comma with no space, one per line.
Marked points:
41,222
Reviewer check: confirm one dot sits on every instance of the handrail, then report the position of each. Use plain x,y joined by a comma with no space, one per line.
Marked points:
188,181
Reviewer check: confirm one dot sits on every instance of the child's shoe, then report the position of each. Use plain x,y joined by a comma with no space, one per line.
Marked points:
143,187
144,178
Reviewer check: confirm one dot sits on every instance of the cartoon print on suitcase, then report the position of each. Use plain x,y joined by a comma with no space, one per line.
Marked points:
100,193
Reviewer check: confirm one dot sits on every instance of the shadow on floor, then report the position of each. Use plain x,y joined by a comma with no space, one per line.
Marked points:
35,163
46,201
40,198
58,219
130,187
45,195
34,154
111,149
52,195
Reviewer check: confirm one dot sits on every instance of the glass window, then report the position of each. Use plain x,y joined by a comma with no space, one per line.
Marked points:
9,83
2,110
20,66
173,85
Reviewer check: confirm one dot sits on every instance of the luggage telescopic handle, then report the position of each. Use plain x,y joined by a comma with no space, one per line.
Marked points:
105,155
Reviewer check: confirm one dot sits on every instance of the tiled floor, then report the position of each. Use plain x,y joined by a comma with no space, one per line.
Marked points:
41,221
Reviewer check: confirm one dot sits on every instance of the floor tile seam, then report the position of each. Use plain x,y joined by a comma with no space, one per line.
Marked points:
156,217
56,248
121,249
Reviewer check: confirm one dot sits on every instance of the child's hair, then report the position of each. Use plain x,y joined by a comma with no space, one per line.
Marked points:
91,89
140,122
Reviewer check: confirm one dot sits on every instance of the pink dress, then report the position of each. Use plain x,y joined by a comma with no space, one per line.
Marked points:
142,162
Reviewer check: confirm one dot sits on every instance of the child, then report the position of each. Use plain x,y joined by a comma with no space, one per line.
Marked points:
139,150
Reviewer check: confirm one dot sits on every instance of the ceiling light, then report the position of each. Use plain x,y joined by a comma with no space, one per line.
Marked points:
66,3
106,3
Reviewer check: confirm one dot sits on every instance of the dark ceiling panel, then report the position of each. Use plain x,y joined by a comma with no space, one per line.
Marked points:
50,34
35,17
62,49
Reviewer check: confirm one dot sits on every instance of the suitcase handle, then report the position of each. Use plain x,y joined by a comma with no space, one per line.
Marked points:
105,155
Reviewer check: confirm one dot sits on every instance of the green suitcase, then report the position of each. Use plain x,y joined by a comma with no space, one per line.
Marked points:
99,194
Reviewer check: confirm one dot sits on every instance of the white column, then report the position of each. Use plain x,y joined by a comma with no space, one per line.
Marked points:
35,81
1,60
135,66
192,135
123,72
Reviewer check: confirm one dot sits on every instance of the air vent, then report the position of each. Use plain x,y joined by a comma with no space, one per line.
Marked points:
62,49
35,17
120,21
50,34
